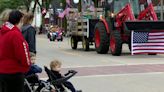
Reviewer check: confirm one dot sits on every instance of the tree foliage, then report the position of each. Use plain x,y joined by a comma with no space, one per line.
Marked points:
11,4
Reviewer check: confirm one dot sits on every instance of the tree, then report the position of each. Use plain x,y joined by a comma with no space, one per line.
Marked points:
11,4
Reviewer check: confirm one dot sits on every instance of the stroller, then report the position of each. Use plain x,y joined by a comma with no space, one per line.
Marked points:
33,84
58,82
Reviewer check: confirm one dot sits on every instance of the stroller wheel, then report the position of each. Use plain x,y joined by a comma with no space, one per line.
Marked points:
26,89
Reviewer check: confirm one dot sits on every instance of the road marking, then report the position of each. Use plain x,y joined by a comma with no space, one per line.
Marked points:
116,75
90,66
115,70
70,53
112,75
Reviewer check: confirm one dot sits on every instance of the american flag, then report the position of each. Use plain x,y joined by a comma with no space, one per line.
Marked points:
92,7
61,15
68,2
147,42
65,12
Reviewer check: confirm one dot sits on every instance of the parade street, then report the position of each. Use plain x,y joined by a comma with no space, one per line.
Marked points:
103,72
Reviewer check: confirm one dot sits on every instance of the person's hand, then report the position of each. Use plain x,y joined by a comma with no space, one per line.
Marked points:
72,71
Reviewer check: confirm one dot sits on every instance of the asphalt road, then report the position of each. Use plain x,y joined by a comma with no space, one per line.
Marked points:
104,72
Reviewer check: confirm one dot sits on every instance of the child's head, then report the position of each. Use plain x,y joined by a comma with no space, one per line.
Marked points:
55,65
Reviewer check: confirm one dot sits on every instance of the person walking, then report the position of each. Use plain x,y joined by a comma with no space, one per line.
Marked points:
14,55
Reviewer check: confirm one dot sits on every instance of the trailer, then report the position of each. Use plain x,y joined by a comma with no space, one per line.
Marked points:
80,26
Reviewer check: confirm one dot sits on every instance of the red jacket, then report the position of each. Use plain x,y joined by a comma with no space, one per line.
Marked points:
14,52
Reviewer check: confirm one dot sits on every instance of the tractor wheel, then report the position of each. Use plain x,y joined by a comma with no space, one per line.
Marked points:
101,38
85,44
74,43
115,43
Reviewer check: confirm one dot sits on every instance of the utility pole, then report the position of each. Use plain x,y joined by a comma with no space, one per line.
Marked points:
161,9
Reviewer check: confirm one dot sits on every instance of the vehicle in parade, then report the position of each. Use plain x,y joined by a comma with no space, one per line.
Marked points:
55,33
113,26
80,25
121,18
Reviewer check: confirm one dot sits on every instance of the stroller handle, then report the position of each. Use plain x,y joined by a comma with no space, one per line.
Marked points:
58,81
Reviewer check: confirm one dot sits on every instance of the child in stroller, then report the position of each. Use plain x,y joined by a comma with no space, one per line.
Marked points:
31,78
58,80
34,84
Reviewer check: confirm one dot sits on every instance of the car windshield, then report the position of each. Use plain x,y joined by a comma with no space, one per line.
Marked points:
119,4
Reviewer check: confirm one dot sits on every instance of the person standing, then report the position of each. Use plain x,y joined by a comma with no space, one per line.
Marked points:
4,16
29,33
14,55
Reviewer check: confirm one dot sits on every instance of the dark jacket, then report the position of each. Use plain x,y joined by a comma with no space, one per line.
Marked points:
14,52
57,74
29,34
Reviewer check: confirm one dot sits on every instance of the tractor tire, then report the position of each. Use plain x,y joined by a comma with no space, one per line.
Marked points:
74,42
101,39
85,44
115,43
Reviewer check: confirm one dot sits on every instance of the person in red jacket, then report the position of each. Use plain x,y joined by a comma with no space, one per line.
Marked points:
14,55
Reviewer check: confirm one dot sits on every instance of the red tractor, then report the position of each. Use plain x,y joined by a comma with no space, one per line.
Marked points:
121,17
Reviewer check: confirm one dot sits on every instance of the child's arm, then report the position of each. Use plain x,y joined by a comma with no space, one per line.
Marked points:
70,72
36,69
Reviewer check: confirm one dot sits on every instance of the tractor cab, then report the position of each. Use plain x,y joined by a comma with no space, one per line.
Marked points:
114,6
